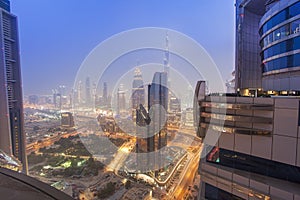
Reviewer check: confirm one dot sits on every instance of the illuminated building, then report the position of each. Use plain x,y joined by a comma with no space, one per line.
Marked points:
251,144
12,135
121,101
280,48
88,92
138,91
158,100
248,62
67,120
105,95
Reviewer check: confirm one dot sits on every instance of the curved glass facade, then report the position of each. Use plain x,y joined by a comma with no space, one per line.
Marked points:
281,33
282,63
281,46
280,17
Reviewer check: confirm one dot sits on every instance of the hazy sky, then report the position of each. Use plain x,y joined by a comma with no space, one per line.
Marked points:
57,35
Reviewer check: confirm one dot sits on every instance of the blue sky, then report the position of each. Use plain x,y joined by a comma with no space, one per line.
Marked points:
56,35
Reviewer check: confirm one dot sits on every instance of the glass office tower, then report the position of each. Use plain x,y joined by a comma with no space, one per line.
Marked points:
12,135
280,44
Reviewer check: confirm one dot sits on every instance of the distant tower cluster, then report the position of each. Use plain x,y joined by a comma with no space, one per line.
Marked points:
12,135
138,92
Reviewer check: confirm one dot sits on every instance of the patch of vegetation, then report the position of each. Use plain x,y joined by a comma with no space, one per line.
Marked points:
107,191
35,159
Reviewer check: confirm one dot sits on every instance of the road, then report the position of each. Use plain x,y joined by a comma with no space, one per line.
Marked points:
48,141
121,156
186,177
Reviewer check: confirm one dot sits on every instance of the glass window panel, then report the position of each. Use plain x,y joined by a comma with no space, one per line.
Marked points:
296,43
283,62
294,10
277,34
295,27
282,47
276,64
290,61
297,60
284,31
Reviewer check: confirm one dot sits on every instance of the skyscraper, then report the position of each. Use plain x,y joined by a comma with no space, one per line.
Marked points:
121,101
88,93
248,70
138,91
104,95
12,135
158,100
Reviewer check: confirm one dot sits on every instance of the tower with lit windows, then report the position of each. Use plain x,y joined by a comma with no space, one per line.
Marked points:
12,135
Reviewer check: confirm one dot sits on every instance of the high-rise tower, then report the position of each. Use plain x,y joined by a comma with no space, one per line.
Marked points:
12,135
121,101
138,91
104,95
88,93
167,56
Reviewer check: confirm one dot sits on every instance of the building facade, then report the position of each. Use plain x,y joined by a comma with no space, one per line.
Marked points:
251,145
12,135
280,44
247,68
257,153
138,92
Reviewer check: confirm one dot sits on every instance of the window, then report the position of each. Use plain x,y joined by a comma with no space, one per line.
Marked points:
286,14
254,164
294,10
214,193
295,27
285,46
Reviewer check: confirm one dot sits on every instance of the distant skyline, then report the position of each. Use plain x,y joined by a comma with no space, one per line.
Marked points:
56,36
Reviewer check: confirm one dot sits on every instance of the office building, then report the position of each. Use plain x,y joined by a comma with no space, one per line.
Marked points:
252,144
280,48
12,135
88,92
105,95
138,92
67,120
257,152
121,101
248,61
158,100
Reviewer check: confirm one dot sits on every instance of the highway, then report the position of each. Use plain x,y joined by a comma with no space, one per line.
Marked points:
121,156
47,141
186,177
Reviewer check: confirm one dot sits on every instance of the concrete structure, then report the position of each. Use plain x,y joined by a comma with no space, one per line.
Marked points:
257,152
252,144
12,135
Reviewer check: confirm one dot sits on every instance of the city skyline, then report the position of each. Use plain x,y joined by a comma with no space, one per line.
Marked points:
67,48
